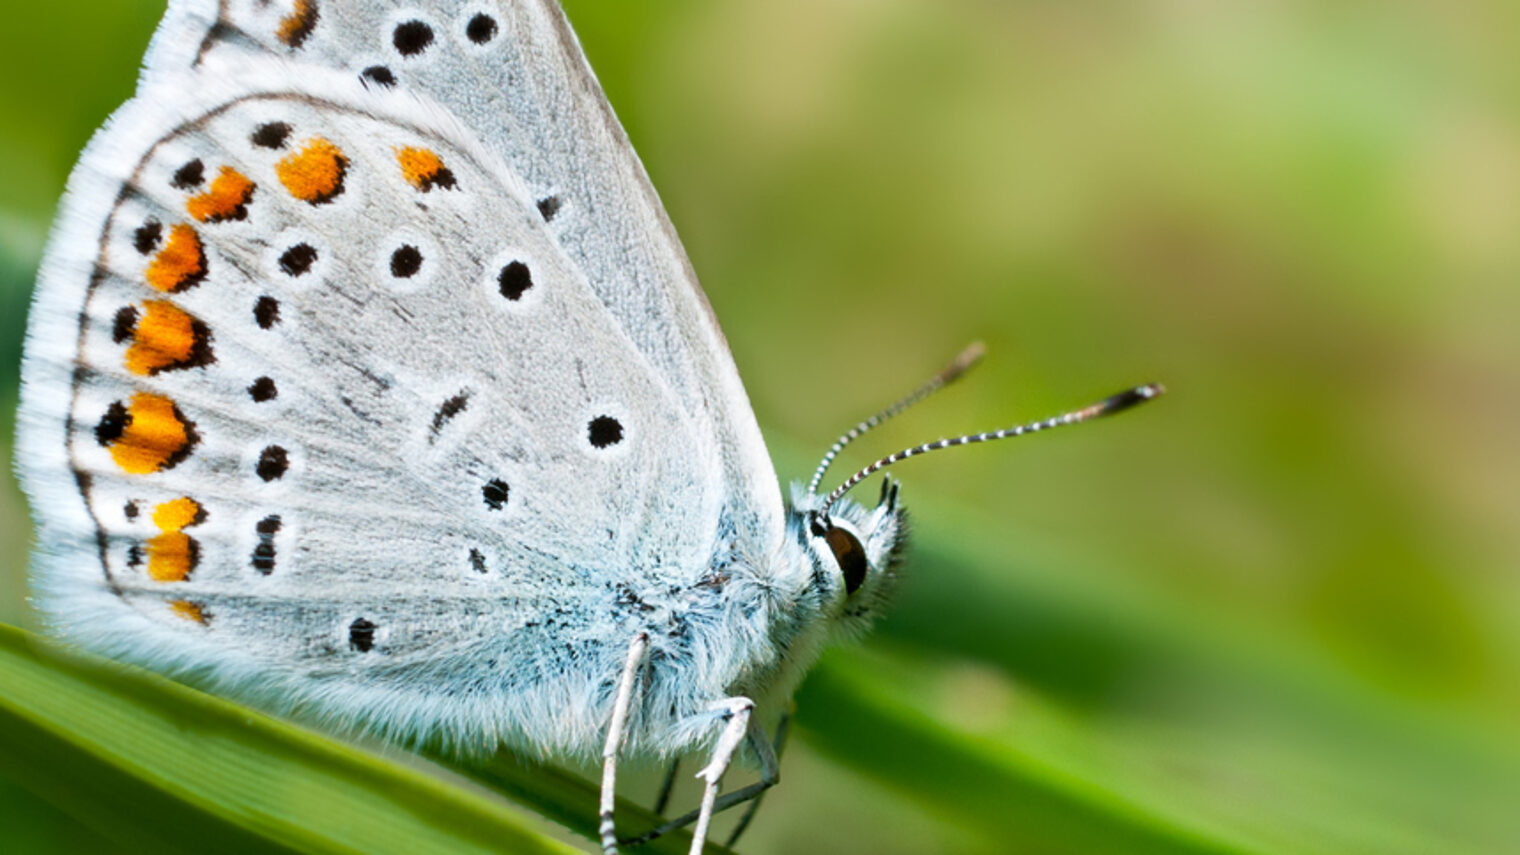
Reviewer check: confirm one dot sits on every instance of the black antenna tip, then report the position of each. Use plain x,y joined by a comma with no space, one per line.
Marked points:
1129,398
965,361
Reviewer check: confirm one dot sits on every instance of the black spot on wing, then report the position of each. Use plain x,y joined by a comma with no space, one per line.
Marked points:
481,29
189,176
298,26
443,178
604,431
361,635
263,389
449,409
145,239
495,493
263,551
113,424
406,260
514,280
298,259
274,461
379,75
270,135
411,37
266,312
124,325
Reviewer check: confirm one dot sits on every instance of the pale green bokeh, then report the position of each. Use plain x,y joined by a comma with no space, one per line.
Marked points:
1275,612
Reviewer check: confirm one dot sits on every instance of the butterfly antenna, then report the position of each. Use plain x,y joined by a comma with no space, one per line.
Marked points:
1108,406
947,375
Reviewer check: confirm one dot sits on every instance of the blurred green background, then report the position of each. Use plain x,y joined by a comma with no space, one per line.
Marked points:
1275,612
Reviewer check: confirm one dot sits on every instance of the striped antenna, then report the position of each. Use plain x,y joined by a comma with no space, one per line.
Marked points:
1108,406
947,375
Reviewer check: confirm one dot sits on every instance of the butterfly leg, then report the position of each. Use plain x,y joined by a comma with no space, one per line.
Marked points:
737,711
617,731
770,774
782,727
662,801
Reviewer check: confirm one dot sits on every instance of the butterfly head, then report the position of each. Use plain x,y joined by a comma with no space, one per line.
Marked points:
855,552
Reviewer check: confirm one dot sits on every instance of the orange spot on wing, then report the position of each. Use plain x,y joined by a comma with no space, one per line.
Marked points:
226,199
315,173
295,27
189,611
164,337
423,169
176,514
173,554
180,264
171,557
155,436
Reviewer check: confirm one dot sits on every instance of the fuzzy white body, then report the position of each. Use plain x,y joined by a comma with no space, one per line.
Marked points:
398,594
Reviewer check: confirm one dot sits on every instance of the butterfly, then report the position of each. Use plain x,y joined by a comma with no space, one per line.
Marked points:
367,377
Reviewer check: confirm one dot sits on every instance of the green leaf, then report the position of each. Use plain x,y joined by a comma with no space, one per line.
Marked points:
977,782
1252,776
570,800
155,765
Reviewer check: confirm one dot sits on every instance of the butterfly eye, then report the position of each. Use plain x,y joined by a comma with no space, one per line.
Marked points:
850,556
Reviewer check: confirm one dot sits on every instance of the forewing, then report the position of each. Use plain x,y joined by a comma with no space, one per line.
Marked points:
514,72
343,419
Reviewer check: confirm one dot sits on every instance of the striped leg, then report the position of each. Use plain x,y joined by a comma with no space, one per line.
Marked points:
736,710
617,730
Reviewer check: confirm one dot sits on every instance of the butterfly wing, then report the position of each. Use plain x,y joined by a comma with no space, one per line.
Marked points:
346,425
513,72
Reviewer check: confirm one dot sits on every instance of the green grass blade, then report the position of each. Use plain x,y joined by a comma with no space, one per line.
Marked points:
570,800
160,766
976,783
1226,764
